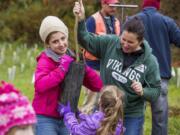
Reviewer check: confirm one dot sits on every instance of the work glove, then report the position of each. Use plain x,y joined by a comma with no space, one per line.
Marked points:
64,62
64,109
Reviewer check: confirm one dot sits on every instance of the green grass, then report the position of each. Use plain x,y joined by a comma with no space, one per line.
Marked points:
19,55
174,113
23,81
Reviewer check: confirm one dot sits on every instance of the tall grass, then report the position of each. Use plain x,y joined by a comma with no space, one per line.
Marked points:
19,55
24,59
174,113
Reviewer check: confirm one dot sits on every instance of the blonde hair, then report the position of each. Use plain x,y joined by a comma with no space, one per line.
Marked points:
111,103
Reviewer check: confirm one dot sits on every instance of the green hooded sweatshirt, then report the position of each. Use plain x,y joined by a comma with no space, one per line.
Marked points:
145,69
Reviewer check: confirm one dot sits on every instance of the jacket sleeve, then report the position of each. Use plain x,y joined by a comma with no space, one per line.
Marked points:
90,24
89,126
92,80
71,123
153,81
78,128
95,44
47,77
174,31
119,129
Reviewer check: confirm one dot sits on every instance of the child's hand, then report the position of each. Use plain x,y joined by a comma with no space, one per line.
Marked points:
64,62
62,109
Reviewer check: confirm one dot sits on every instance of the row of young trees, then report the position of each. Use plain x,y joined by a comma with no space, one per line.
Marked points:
20,19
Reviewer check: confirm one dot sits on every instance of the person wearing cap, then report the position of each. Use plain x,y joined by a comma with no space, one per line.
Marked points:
52,66
17,115
160,31
127,62
102,22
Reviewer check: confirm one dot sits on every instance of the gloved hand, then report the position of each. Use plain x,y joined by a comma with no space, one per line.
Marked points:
62,109
65,61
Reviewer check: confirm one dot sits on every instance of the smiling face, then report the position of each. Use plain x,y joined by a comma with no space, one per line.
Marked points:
130,42
58,42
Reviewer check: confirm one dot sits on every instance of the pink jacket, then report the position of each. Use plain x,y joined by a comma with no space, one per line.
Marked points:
48,78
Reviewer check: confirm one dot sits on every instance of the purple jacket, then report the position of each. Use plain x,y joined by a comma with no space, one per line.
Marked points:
48,78
87,124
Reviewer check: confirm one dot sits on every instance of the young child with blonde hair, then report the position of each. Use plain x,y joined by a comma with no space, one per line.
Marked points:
16,113
107,121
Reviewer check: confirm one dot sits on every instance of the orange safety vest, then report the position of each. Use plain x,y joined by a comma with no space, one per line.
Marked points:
101,30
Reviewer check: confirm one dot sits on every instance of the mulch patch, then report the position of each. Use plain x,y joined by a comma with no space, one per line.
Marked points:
174,111
176,64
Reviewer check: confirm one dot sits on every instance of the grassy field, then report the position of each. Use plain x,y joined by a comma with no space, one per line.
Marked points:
23,59
174,112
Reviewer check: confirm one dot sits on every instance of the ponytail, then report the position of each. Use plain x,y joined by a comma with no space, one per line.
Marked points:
112,106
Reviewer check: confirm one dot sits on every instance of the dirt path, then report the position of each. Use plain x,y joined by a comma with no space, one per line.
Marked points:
174,111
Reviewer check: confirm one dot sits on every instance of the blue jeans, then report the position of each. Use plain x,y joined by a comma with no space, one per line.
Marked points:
133,125
160,111
50,126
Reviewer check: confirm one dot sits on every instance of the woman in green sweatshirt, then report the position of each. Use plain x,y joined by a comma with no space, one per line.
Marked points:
126,62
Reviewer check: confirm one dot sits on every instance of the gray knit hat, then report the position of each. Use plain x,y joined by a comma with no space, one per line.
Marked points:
51,24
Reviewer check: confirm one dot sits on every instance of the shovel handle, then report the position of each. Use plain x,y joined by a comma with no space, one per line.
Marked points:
75,38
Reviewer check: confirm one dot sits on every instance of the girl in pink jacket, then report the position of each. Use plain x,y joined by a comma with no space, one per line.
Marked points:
52,65
107,121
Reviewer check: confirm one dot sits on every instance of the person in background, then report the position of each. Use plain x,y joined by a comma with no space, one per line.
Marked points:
17,116
107,121
161,32
102,22
52,66
126,62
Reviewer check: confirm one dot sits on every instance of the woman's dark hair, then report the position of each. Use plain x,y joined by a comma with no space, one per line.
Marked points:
136,26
